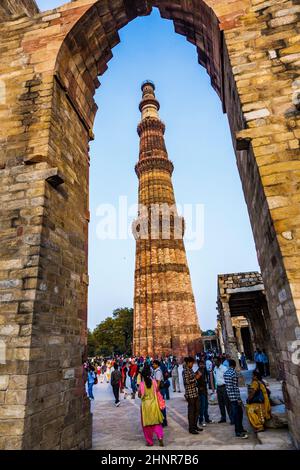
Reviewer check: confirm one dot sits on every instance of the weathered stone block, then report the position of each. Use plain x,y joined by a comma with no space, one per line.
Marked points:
4,379
11,412
9,330
16,397
17,382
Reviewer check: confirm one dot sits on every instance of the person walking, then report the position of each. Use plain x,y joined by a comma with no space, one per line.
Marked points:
175,376
191,394
91,381
164,390
236,404
115,381
124,371
223,400
258,357
244,361
266,364
133,372
209,372
103,372
151,403
108,371
158,376
203,396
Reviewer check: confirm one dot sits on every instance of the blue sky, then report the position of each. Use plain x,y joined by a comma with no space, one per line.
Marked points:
199,144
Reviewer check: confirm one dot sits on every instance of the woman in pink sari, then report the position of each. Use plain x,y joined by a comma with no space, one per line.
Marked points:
151,414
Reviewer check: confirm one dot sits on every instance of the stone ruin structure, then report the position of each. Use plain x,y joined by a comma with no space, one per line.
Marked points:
49,69
244,317
165,316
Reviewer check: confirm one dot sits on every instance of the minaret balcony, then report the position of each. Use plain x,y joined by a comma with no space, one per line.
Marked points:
154,163
151,123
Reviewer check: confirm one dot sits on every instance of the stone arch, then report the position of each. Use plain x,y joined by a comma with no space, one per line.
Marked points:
250,51
87,47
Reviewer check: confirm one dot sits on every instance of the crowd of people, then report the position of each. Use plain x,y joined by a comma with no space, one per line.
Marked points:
151,380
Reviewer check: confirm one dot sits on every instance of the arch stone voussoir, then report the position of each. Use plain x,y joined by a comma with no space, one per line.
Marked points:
49,71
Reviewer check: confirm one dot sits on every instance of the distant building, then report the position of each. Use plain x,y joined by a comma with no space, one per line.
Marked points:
210,340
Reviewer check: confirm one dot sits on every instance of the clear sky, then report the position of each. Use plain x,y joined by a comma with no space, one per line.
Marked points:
199,144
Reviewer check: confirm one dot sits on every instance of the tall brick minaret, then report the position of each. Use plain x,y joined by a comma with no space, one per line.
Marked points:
165,317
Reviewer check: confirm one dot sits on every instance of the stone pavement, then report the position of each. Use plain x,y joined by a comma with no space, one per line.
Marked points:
120,428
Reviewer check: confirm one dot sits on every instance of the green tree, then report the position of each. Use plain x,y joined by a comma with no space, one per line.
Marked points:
113,335
104,337
123,318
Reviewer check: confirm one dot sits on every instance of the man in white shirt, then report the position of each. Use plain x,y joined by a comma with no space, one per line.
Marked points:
224,403
209,373
157,373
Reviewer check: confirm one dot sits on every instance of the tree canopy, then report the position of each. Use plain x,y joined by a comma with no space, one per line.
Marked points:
113,335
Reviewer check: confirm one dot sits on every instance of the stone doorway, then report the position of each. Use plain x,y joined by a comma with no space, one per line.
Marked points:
49,69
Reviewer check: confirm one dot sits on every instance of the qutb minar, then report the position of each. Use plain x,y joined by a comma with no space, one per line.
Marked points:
165,317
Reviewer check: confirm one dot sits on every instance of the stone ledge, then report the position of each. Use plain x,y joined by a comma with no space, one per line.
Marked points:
257,287
275,439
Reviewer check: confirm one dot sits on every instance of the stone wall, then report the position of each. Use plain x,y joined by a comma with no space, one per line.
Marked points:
49,67
18,7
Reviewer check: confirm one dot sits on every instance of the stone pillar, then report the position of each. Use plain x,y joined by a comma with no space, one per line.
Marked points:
264,340
252,335
220,337
239,339
230,342
271,346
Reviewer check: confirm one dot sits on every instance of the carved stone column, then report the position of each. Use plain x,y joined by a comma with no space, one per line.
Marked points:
230,342
271,345
252,335
220,337
239,339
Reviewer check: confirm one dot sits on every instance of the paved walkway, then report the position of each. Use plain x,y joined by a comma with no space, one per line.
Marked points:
120,429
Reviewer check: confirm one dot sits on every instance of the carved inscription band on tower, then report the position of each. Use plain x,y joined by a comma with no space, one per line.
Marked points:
165,317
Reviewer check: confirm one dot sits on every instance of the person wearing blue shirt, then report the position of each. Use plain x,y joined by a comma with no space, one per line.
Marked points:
265,361
244,361
91,382
223,400
165,390
258,357
236,404
226,361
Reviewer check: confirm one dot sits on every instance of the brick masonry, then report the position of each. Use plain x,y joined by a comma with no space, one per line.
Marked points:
49,66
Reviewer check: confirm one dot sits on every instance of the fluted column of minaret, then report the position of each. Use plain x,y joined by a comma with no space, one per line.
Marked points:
165,318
